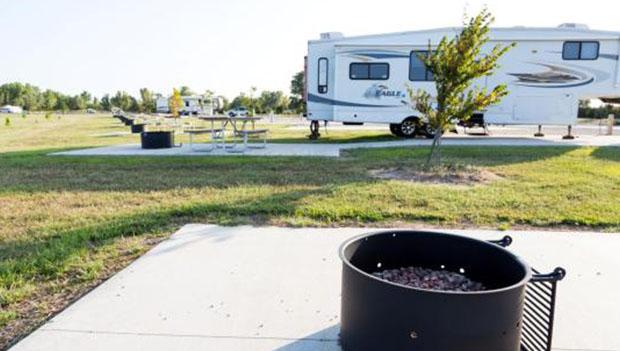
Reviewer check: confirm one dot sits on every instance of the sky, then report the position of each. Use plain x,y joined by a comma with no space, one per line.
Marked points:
226,46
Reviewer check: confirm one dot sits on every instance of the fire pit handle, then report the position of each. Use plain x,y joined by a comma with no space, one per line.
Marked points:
555,276
504,242
539,312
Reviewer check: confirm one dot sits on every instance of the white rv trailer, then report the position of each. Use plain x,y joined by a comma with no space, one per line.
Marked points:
11,109
192,105
364,79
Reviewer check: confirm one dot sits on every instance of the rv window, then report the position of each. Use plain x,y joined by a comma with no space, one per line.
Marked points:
379,71
580,50
589,50
359,71
417,69
369,71
323,71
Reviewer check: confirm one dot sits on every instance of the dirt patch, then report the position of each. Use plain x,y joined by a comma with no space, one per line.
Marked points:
451,175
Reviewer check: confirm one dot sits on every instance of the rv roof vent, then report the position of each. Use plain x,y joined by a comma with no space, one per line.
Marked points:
331,35
574,26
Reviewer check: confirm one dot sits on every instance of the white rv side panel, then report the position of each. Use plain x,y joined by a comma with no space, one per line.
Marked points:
544,86
617,83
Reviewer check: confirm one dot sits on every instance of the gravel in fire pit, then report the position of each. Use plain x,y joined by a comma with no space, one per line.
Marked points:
424,278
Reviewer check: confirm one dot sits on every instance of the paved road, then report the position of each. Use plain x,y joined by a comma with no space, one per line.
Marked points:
244,288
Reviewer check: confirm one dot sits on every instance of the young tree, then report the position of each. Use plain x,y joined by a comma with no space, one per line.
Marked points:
175,103
186,91
86,97
105,103
63,103
50,99
95,104
147,101
272,101
456,63
241,100
297,93
77,103
297,84
252,101
124,101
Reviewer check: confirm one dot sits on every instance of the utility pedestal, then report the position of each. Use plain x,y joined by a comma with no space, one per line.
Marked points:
611,121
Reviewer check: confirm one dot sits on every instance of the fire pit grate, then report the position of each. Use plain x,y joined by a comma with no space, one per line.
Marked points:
514,313
539,311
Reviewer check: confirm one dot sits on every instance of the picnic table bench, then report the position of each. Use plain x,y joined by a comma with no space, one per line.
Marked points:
240,129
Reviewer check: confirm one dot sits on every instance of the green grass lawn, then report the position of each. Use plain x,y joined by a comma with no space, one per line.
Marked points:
66,223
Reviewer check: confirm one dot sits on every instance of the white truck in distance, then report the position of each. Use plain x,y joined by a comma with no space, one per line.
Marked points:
238,112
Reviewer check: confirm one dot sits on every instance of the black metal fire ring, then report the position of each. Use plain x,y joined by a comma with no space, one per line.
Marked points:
491,244
381,315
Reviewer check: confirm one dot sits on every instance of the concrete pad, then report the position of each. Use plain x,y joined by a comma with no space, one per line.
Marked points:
199,149
334,150
245,288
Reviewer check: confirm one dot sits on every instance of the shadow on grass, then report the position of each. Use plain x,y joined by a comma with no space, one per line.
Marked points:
35,171
483,156
607,153
47,256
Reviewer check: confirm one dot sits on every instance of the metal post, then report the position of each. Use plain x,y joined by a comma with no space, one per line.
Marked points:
569,136
540,133
611,121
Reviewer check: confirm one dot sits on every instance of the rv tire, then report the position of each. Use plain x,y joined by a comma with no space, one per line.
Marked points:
426,131
409,128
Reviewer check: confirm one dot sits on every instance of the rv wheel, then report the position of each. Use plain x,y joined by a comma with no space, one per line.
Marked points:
427,131
409,128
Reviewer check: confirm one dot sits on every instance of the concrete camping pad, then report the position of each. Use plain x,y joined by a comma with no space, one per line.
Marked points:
246,288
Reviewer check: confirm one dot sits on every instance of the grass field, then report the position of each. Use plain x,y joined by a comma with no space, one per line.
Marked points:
68,223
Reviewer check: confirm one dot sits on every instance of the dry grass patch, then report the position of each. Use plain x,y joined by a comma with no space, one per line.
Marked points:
446,174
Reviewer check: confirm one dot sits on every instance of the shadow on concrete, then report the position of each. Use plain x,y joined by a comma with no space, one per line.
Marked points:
336,138
187,237
324,340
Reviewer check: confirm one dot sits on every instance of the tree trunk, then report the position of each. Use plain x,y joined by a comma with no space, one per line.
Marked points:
434,158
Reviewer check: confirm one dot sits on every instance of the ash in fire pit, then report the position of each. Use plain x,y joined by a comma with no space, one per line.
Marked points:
424,278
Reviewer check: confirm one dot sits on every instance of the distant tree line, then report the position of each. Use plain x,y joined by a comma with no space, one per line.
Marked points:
273,101
32,98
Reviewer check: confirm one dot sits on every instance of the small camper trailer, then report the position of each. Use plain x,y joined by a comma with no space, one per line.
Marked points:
191,105
11,109
356,80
